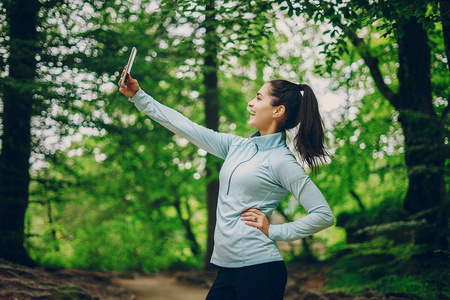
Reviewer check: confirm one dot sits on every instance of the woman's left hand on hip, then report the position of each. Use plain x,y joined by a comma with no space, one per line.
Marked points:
256,218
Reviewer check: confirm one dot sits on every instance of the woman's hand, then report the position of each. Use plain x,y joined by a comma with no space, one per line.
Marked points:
131,87
256,218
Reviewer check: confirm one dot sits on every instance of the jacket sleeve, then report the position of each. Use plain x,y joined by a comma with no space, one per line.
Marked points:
290,175
207,139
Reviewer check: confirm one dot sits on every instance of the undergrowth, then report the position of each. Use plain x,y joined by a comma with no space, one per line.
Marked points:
389,267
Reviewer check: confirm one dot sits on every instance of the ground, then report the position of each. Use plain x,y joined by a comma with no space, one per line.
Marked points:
22,283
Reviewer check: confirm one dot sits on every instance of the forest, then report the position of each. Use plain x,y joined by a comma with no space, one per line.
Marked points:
88,182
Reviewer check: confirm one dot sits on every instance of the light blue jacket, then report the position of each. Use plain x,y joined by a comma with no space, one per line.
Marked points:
257,173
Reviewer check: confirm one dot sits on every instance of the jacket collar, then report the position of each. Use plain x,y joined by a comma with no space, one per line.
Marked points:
269,141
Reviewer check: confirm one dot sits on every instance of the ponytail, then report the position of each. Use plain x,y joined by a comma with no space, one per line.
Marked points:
302,108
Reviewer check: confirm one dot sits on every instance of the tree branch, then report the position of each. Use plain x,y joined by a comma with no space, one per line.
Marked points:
361,47
371,61
195,248
358,199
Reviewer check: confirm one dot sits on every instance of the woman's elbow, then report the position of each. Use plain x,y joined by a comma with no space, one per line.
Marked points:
331,221
323,218
328,219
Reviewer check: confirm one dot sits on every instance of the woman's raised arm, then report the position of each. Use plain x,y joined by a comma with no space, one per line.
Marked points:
213,142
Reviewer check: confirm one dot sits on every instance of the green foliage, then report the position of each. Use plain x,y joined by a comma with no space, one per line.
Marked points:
385,17
102,233
385,247
388,266
414,284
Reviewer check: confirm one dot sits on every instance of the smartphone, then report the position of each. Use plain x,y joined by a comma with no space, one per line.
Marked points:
129,65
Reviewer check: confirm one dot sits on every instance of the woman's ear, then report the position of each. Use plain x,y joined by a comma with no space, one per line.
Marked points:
279,111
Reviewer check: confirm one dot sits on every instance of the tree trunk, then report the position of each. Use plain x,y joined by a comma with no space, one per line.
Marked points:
210,70
16,140
195,249
424,135
52,226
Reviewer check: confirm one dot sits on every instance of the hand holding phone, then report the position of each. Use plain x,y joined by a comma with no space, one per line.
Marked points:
129,65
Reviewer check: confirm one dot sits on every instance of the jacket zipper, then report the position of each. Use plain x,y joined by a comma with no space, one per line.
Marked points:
231,175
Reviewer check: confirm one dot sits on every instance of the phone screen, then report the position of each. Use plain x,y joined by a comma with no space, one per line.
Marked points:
129,65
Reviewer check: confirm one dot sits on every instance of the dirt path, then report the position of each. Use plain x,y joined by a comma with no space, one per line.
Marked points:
160,287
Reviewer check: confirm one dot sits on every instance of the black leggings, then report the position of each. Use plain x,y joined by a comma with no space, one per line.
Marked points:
259,282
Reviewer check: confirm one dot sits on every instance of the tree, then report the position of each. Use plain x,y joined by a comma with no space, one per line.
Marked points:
16,139
30,93
408,25
210,70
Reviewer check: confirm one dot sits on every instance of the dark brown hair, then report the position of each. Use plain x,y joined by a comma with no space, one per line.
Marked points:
301,108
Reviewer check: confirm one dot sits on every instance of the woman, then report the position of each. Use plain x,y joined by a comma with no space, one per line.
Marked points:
256,175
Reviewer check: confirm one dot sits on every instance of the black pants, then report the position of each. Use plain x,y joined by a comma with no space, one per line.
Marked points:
259,282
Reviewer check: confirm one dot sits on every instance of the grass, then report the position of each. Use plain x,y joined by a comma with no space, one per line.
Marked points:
428,278
408,283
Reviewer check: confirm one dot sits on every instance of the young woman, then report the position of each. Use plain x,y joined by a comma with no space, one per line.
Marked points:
257,173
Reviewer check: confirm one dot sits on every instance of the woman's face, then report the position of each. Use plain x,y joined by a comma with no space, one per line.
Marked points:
262,112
